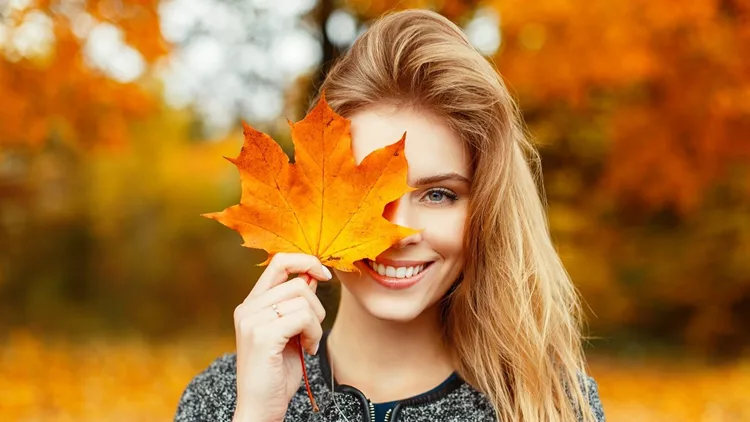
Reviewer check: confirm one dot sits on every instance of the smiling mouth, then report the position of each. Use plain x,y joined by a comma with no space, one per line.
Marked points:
397,272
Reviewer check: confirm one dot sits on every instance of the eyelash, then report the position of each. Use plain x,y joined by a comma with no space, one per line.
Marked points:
452,196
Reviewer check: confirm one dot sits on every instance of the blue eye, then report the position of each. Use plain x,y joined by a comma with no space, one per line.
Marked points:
439,195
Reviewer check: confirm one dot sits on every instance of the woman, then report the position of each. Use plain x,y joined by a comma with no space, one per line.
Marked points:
472,319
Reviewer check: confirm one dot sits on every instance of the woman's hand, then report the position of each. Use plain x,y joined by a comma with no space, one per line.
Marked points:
268,363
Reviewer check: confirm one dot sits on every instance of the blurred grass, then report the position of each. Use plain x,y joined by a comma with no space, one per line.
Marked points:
133,379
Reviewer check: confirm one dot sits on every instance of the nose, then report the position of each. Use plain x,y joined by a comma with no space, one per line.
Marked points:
397,212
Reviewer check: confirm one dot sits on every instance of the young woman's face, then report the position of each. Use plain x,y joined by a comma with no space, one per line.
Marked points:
413,275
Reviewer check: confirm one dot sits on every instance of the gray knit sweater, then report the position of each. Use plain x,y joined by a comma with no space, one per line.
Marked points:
212,396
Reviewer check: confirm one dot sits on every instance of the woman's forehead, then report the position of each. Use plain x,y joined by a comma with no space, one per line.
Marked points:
431,146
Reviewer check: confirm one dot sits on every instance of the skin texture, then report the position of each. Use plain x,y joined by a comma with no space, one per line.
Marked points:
388,342
268,365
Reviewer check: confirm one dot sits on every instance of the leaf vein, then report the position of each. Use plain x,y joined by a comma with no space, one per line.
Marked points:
299,224
359,207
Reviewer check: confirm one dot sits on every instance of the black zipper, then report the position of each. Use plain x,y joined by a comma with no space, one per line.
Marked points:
372,410
369,413
393,413
389,414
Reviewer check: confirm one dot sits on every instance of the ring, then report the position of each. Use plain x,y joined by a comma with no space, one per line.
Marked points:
276,309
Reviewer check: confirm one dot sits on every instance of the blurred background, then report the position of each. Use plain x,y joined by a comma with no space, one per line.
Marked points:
115,114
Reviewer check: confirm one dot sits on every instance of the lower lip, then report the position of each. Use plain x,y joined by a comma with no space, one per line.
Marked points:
394,283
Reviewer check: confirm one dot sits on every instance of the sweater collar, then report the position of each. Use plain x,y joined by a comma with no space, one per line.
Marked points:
436,394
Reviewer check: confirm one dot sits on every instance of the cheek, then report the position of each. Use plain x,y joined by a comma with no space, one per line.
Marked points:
444,232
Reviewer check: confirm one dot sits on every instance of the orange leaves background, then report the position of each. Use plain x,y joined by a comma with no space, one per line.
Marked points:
672,81
50,91
641,110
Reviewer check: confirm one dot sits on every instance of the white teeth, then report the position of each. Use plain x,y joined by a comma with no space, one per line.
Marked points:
395,272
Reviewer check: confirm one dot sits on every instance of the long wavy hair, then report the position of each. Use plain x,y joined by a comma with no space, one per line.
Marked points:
514,318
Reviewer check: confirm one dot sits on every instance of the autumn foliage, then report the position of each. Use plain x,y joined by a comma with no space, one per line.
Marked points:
50,93
640,109
671,83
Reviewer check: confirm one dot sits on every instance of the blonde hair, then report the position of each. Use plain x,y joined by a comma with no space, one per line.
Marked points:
513,319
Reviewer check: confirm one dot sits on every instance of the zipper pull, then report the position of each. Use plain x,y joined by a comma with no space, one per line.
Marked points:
388,415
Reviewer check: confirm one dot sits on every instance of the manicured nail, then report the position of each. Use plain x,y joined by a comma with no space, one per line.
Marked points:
317,346
327,272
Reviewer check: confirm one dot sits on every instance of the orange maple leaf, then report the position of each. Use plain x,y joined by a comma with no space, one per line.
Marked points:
323,204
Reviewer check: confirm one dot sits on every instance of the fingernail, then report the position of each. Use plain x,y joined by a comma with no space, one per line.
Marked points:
327,272
317,346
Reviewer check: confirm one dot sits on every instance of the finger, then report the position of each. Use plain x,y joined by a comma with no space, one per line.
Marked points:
307,277
251,317
296,287
278,332
313,285
284,264
291,306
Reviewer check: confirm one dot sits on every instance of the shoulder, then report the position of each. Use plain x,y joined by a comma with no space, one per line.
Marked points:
212,394
591,392
472,400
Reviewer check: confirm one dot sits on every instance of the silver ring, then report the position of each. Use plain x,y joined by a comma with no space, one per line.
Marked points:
276,309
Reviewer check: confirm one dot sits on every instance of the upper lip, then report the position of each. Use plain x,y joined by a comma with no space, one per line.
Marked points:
399,263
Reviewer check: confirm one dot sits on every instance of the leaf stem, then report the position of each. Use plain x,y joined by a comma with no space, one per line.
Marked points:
304,375
315,408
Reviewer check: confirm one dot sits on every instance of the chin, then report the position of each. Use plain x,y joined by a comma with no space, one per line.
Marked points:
388,309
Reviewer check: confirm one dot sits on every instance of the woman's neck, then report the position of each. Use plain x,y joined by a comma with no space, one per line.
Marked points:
387,360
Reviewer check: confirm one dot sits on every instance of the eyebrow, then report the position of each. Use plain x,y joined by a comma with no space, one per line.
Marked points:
441,177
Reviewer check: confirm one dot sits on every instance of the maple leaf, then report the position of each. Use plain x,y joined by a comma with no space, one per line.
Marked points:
323,204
